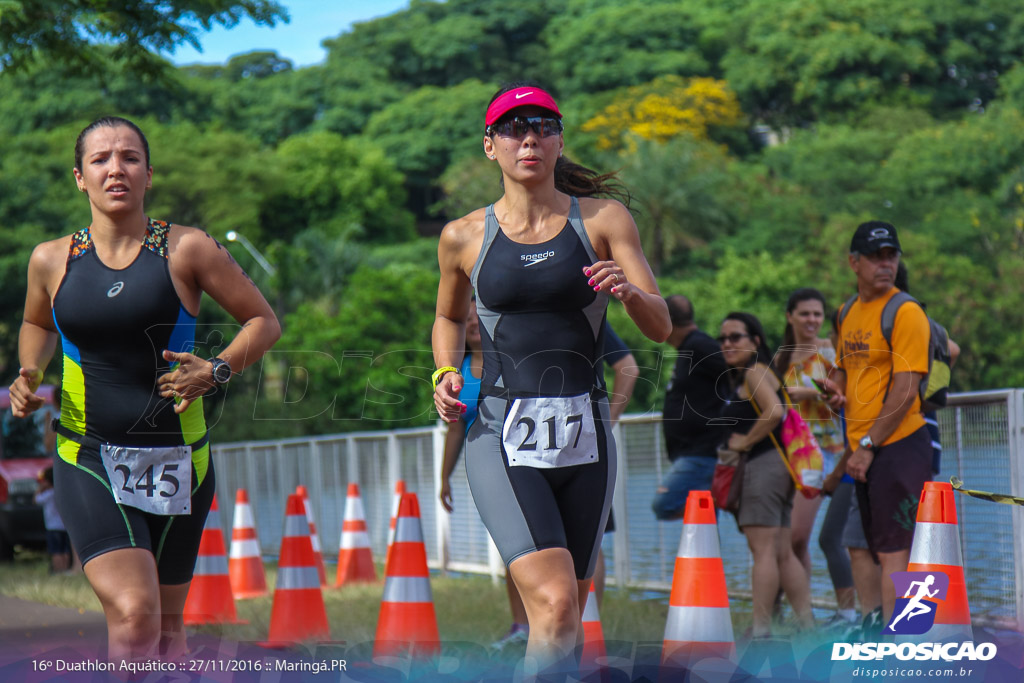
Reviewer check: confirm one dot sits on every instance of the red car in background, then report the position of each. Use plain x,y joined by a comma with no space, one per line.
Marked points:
25,451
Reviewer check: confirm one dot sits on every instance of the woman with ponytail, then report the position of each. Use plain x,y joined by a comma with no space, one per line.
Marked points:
544,261
804,361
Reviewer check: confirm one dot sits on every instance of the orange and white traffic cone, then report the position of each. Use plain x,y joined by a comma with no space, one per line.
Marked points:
245,563
593,654
298,613
313,535
407,622
209,598
698,623
936,547
355,560
395,502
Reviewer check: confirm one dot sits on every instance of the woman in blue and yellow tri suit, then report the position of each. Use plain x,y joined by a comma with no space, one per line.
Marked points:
133,480
544,260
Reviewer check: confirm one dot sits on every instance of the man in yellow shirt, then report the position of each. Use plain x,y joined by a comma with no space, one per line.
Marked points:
878,385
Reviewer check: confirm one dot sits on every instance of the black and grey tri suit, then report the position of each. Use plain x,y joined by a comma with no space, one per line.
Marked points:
540,457
114,326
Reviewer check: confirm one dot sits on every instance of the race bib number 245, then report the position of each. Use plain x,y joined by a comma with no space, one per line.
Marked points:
155,480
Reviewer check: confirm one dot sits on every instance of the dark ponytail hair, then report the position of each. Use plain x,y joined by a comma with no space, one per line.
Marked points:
788,337
572,178
109,122
762,353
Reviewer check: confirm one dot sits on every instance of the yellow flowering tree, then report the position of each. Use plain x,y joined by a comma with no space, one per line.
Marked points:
665,108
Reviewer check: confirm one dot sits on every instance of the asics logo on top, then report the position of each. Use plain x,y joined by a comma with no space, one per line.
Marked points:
534,259
521,95
115,290
920,593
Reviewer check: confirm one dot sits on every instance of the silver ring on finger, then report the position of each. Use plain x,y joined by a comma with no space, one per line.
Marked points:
615,277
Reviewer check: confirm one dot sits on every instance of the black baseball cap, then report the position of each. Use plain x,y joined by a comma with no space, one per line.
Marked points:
872,236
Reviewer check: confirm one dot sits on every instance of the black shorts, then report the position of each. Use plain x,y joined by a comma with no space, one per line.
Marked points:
526,509
98,525
888,500
57,542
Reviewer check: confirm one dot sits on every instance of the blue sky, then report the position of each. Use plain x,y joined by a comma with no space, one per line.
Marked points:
298,40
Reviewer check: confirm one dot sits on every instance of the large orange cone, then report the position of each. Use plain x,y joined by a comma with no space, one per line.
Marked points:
355,561
396,501
209,598
245,564
594,653
313,535
298,613
936,547
407,622
698,623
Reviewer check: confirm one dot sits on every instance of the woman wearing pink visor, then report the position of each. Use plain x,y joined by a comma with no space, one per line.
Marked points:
544,260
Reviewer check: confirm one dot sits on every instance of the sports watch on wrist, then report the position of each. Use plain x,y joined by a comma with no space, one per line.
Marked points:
221,370
867,444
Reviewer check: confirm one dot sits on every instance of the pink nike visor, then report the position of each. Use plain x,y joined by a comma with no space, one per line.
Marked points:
520,97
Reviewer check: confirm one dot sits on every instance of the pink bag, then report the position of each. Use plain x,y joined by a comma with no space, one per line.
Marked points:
799,449
806,465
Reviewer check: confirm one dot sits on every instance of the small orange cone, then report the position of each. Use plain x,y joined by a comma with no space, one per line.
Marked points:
936,547
355,561
593,654
698,623
313,535
407,622
209,598
396,501
245,564
298,613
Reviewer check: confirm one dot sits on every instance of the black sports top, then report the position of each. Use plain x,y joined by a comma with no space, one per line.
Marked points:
114,326
541,324
742,410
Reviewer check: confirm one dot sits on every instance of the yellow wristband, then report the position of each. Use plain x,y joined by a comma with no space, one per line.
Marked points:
441,372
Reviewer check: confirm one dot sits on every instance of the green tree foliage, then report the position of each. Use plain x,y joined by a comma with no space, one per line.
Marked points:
851,110
343,188
366,365
65,30
794,61
678,188
619,44
443,44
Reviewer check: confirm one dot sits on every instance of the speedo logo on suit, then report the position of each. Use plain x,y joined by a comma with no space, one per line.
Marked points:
534,259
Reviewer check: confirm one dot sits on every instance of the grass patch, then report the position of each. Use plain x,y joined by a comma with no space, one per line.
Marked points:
469,608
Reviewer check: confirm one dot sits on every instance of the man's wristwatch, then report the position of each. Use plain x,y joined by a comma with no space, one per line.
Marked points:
867,444
221,371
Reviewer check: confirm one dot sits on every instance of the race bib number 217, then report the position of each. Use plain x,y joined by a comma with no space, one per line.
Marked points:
550,432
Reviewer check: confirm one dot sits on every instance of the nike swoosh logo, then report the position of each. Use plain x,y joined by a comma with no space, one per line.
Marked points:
535,262
523,94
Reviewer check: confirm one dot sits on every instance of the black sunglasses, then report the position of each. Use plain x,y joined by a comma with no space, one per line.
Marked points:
516,126
733,338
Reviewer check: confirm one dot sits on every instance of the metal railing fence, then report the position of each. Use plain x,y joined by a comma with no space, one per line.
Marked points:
983,441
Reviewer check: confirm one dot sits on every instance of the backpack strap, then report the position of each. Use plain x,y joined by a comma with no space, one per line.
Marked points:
845,310
892,307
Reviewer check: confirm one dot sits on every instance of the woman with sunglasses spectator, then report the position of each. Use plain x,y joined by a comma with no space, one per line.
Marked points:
544,261
755,407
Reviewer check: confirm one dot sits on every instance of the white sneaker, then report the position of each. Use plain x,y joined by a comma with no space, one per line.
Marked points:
516,634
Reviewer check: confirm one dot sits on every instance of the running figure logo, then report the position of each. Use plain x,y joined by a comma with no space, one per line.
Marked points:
914,613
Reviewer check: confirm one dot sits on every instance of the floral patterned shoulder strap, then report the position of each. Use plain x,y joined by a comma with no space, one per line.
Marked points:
157,233
81,244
